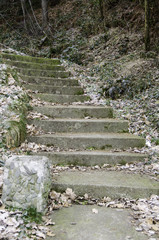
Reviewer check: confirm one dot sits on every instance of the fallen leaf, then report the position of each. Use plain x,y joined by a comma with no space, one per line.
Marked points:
94,210
50,234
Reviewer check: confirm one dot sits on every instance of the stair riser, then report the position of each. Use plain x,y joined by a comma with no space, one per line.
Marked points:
99,191
43,73
61,98
90,160
55,90
75,112
81,127
36,66
87,143
52,82
30,59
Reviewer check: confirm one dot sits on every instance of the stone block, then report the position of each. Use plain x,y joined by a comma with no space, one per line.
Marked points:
27,182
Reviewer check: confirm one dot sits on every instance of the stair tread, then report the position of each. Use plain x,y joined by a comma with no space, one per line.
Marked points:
95,152
75,111
107,178
102,120
91,135
25,62
106,183
61,95
30,59
40,70
76,106
91,158
43,72
49,89
61,98
49,78
87,140
43,85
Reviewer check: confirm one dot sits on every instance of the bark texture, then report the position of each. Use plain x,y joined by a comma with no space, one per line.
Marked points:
44,4
147,25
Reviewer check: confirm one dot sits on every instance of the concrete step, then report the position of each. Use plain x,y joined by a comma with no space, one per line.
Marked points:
71,90
92,158
32,65
50,81
82,125
57,98
75,111
79,222
15,57
43,73
86,141
106,183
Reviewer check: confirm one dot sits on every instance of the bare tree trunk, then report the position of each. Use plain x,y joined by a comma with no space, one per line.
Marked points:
147,25
24,11
44,4
34,15
101,9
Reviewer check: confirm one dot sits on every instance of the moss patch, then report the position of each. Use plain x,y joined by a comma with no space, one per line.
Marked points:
16,133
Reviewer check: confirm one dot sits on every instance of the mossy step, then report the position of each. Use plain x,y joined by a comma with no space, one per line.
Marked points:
81,125
92,158
15,57
37,66
86,141
50,81
71,90
75,111
43,73
57,98
99,184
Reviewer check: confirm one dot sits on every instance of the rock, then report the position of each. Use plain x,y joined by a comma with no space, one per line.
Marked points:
112,92
27,182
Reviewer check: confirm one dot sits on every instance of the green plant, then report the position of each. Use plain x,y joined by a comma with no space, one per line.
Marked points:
31,215
122,162
92,148
105,147
156,141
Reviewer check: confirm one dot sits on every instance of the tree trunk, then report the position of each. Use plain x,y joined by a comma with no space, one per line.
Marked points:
45,12
23,4
101,9
147,25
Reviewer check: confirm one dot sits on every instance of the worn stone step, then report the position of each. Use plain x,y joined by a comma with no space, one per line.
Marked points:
15,57
43,73
57,98
82,125
71,90
32,65
79,222
106,183
50,81
92,158
75,111
83,141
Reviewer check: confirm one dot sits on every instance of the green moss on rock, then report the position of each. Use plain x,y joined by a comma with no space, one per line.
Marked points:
16,133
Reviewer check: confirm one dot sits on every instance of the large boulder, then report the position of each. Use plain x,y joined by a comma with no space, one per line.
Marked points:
27,182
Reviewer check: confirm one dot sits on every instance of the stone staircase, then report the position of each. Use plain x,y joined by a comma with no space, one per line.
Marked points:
89,131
